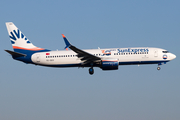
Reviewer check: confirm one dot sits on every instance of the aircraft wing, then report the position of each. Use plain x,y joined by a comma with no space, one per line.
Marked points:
84,56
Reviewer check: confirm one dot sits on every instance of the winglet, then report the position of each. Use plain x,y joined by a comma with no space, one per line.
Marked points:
66,41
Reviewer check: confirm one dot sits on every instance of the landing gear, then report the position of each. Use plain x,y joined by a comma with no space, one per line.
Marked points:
158,68
91,70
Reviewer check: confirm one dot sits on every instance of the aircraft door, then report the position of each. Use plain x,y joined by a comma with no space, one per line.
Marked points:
38,57
155,53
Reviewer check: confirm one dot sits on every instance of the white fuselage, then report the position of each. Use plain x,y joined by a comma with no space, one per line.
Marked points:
125,56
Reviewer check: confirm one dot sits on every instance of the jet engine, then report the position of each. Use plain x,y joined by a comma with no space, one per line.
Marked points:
109,64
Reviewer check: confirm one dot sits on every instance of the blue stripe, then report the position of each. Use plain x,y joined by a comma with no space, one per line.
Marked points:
22,35
17,34
142,62
28,53
97,65
12,36
64,65
12,42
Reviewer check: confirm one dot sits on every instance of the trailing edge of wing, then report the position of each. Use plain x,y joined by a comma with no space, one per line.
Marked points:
15,54
85,56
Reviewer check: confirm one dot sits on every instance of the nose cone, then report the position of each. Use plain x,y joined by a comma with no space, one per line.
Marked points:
173,56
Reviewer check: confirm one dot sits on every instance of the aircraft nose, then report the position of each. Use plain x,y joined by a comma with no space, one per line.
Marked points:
173,56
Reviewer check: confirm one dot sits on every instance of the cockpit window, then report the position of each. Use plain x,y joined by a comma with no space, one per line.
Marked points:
165,51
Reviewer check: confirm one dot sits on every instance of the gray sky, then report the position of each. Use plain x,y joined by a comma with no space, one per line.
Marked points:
29,92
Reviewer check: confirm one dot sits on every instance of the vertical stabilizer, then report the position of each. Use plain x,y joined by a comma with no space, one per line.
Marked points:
19,40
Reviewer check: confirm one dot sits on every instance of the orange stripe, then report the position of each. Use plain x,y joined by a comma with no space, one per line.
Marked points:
34,49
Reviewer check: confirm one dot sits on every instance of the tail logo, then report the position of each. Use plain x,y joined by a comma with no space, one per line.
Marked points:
14,35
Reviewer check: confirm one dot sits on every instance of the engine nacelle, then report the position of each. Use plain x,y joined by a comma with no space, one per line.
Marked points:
110,64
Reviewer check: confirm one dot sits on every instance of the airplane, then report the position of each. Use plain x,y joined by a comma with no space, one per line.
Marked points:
106,59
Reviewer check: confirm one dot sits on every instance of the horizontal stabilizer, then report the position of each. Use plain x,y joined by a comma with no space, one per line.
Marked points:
15,54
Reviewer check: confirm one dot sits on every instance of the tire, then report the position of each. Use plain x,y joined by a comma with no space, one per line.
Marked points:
91,71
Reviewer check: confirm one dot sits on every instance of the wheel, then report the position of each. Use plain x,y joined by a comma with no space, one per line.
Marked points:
91,71
158,68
